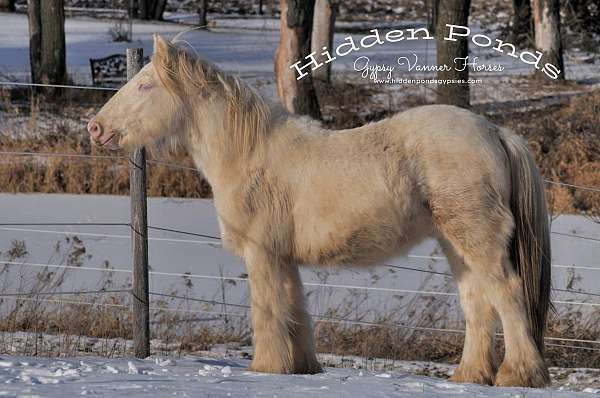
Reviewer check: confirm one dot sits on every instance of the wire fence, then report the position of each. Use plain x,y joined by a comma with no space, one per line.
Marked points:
317,317
309,284
215,242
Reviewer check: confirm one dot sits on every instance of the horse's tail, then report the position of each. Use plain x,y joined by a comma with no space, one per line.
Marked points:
530,244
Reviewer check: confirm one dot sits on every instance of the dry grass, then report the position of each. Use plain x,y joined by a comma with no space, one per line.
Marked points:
39,130
402,344
565,140
42,322
390,340
19,174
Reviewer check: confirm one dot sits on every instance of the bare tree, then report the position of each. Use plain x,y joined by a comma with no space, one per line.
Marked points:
452,53
151,9
47,41
298,95
7,5
521,31
432,11
35,39
546,19
322,36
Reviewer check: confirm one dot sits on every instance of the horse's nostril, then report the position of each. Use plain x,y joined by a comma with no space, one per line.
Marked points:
94,129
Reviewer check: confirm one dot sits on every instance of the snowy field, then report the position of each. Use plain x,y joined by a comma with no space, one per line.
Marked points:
214,376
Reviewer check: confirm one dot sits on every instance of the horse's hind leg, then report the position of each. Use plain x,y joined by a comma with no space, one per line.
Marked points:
479,227
493,279
523,363
478,362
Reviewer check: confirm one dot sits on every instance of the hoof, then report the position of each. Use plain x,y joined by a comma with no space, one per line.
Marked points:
533,376
268,367
476,376
312,367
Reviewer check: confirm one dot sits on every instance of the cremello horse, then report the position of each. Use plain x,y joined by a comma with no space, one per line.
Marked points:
288,192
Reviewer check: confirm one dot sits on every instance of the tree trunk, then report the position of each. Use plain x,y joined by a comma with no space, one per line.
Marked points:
35,39
452,53
143,9
546,19
522,26
203,14
53,54
151,9
159,9
298,96
322,37
432,16
47,53
7,5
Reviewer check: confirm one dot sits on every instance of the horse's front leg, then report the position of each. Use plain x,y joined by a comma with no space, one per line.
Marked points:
280,323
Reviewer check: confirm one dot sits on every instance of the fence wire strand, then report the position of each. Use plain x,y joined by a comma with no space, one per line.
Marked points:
62,293
25,84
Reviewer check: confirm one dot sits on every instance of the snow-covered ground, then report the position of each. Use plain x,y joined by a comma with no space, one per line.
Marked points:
204,376
222,372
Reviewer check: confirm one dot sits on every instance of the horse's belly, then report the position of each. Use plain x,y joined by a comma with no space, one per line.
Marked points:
361,237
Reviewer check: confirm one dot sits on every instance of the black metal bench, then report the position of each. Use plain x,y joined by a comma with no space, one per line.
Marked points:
110,71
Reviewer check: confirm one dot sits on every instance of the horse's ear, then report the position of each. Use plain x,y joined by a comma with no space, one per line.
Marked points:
164,60
161,46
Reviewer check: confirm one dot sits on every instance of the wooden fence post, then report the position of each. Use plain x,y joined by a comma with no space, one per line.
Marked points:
139,231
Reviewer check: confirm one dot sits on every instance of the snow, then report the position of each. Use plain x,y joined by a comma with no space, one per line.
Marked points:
204,376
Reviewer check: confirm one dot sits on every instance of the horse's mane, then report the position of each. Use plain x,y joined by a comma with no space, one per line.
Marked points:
247,115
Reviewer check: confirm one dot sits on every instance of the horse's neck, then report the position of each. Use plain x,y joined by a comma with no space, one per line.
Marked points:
212,151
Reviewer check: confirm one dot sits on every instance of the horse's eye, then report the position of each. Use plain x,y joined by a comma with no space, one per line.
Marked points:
145,86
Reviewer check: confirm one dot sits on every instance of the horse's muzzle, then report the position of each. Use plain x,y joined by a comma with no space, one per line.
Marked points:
97,133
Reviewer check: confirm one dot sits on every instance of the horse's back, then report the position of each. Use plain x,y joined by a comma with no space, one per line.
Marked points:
454,148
